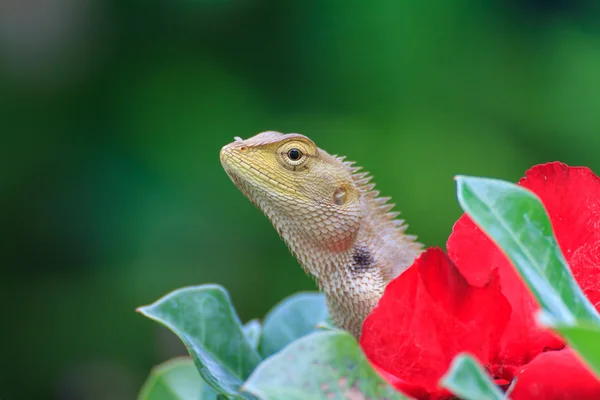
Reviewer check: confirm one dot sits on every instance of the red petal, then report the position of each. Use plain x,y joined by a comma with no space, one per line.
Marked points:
428,315
556,375
477,257
571,196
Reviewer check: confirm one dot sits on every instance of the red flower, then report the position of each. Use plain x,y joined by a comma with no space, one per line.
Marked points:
428,315
477,303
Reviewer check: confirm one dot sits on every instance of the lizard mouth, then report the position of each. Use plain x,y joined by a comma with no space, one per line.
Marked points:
236,167
241,173
245,175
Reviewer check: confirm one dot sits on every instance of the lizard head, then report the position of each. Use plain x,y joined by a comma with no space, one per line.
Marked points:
309,195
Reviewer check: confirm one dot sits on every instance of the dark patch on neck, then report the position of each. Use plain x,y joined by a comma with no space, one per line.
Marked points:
362,259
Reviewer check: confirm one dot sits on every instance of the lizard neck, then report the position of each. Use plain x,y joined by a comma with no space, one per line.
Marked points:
352,253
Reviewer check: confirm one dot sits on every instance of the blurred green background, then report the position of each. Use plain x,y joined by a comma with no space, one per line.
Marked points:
112,115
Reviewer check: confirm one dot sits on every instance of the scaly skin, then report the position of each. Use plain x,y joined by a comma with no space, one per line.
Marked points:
330,217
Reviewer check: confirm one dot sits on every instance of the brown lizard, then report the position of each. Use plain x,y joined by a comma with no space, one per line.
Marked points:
329,215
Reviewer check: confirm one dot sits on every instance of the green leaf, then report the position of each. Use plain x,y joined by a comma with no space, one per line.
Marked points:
327,323
584,337
294,317
323,365
177,379
204,319
252,332
517,221
469,381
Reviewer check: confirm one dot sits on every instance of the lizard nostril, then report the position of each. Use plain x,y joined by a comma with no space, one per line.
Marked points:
243,149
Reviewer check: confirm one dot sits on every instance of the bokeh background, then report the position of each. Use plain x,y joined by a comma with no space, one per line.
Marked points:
112,114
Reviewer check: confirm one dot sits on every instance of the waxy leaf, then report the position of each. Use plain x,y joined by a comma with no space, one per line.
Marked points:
327,323
204,319
582,336
294,317
469,381
177,379
323,365
252,330
516,220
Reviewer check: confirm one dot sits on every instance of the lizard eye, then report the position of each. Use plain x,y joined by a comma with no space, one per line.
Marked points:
294,154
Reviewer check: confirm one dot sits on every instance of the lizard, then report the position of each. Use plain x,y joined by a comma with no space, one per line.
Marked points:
329,215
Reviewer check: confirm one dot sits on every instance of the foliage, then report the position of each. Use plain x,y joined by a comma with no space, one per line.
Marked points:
177,379
297,361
